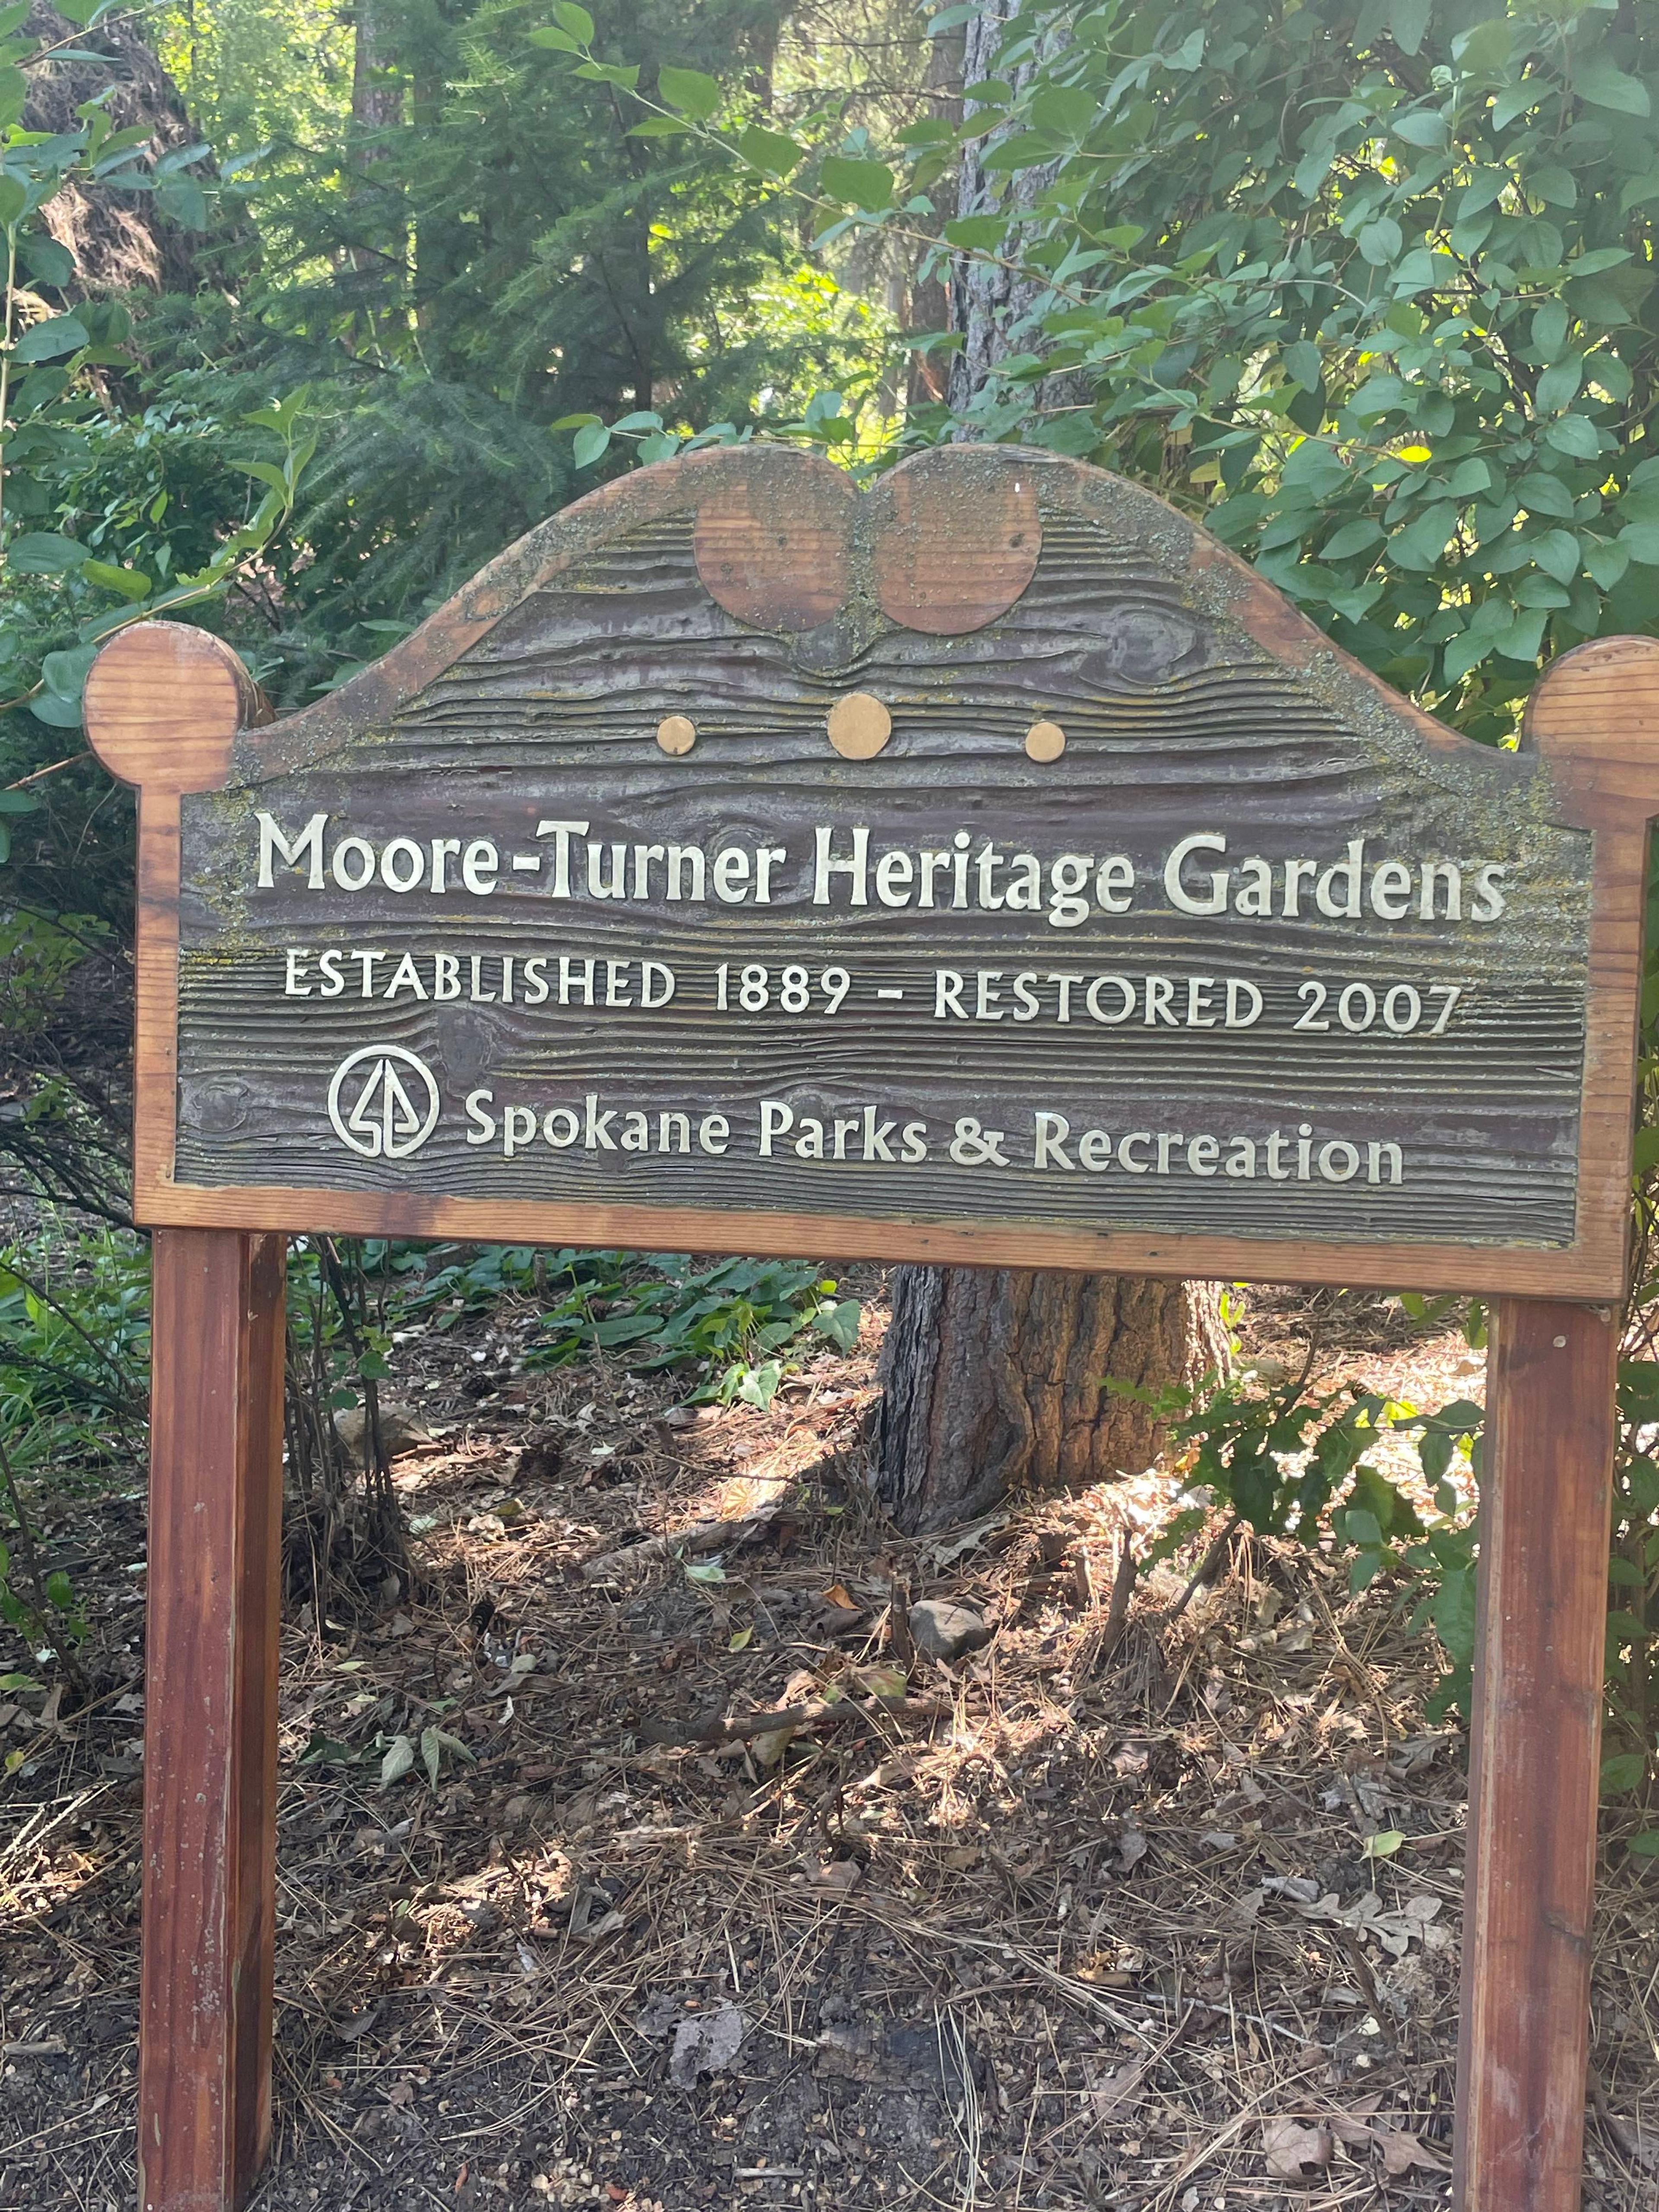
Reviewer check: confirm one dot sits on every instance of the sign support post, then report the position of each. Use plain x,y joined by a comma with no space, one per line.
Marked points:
700,878
1529,1896
210,1717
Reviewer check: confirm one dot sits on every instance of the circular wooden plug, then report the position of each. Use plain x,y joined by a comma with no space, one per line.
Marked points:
163,704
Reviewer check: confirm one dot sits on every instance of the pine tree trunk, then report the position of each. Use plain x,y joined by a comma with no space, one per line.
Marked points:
993,1380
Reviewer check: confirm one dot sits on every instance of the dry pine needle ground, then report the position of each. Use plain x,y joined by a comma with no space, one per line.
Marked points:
1066,1926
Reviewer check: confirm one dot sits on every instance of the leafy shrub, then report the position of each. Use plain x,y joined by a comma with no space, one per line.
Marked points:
743,1322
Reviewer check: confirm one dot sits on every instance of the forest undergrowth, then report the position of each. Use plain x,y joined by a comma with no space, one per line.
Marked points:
637,1853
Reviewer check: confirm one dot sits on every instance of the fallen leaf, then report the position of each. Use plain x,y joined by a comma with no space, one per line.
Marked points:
1383,1845
741,1638
1402,2152
398,1759
841,1598
1294,2152
1117,2092
839,1875
705,2044
1131,1848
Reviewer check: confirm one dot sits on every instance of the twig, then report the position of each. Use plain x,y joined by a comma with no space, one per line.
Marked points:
1206,1567
746,1726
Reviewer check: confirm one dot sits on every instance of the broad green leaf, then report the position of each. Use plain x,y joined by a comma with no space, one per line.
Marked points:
1599,81
1641,542
768,151
570,16
1557,554
52,338
1559,384
690,91
1419,126
1383,1845
65,673
183,200
660,126
625,78
1575,435
44,553
1549,329
1606,562
864,184
976,231
1542,494
14,198
1623,1770
1408,20
1484,46
131,583
1381,241
561,42
1354,536
589,443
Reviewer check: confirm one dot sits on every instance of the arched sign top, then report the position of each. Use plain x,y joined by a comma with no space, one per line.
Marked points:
986,866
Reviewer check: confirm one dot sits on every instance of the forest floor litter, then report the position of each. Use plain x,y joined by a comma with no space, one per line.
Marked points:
642,1855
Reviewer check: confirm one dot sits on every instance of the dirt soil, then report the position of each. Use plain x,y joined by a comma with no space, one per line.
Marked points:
571,1916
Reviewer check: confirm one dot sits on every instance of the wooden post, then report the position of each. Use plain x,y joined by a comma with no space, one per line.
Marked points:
1547,1503
210,1718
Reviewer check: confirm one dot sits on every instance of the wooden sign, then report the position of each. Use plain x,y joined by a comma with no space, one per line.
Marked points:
989,867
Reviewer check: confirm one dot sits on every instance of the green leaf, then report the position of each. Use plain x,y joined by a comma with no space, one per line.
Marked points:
1484,46
570,16
1408,20
625,78
1641,542
65,673
1557,554
690,91
769,151
559,41
660,126
1605,560
865,183
14,198
589,443
51,338
975,231
1574,435
1646,1845
1558,386
1419,126
1623,1771
131,583
1381,241
1542,494
1604,86
183,201
59,1590
44,553
1383,1845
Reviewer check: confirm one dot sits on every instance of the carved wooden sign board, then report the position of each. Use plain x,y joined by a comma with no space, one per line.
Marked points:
987,866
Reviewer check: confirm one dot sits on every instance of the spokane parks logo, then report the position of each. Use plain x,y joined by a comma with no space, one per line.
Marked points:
383,1102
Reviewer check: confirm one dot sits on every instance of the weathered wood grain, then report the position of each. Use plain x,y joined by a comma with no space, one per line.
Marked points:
211,1719
1546,1498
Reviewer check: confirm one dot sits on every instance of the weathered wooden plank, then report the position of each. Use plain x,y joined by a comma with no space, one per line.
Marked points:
210,1718
1546,1495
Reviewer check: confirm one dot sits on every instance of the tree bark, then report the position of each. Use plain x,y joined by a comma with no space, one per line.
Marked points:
993,1380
